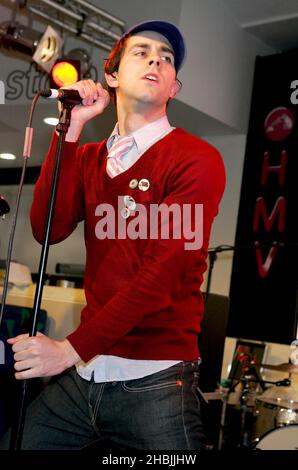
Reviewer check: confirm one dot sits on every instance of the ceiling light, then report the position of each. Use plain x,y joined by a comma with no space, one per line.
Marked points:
48,49
43,48
74,66
7,156
51,121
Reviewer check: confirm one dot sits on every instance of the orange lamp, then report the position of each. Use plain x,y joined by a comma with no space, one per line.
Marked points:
65,72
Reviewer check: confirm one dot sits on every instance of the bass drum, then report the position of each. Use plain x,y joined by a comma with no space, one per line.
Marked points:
285,438
276,407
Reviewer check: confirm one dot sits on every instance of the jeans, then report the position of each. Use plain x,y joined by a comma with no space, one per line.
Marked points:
160,411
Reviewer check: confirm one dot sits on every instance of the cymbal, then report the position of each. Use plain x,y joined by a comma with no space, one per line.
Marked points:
284,367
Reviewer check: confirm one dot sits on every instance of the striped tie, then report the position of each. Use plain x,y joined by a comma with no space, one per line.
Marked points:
119,148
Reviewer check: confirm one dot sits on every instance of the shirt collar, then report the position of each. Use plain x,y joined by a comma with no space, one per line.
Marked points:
144,136
114,136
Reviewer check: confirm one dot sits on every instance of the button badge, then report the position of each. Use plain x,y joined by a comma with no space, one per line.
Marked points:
125,213
144,184
133,184
130,203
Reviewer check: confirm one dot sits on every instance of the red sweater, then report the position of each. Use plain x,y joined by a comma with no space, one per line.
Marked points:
143,296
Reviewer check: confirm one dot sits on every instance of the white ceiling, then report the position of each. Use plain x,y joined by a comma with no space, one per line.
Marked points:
247,11
275,22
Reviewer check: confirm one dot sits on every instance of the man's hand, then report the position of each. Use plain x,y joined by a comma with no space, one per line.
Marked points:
95,100
40,356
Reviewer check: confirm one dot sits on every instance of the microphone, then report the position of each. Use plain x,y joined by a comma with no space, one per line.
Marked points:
65,96
4,207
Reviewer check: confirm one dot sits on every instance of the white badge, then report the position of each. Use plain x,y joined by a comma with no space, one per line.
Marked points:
144,184
125,213
130,203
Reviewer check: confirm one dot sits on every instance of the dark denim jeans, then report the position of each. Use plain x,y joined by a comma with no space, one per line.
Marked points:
160,411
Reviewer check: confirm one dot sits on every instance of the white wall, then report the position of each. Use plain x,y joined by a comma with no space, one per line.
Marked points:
26,249
232,149
217,78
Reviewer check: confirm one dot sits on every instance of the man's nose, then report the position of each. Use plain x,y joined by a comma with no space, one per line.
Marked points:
154,61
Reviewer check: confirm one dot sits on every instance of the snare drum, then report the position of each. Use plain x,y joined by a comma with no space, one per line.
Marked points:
285,438
276,407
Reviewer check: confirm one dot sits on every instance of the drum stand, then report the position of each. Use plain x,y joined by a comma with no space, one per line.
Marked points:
244,437
251,375
223,395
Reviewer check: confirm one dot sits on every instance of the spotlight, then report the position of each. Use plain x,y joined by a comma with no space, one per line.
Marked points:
65,72
71,68
43,48
48,49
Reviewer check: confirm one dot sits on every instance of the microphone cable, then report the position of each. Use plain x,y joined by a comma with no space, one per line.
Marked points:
26,156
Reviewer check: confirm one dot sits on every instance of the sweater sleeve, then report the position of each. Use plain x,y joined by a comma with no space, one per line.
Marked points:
199,180
69,204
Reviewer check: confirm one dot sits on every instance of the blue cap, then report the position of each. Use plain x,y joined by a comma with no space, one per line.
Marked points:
169,31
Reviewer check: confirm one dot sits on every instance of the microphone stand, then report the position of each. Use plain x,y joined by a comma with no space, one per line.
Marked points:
62,128
212,253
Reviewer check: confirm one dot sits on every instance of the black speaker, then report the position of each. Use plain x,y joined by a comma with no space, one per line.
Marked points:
211,346
212,340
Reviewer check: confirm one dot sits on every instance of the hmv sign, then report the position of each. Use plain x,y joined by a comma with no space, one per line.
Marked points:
264,284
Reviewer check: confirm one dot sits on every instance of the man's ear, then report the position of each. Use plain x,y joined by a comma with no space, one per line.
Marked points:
112,79
176,87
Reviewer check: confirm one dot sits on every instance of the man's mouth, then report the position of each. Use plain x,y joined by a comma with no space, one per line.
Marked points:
151,77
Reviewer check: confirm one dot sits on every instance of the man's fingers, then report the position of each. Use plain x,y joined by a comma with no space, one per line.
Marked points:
26,374
103,98
22,337
18,338
26,344
24,354
24,365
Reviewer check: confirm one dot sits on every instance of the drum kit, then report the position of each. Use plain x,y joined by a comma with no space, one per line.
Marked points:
274,409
